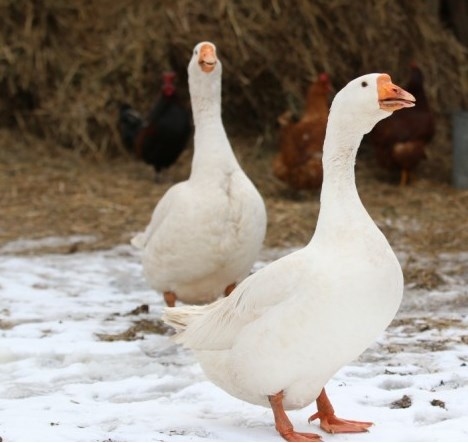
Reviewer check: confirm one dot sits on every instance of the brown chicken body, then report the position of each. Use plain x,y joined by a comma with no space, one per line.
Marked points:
399,141
299,161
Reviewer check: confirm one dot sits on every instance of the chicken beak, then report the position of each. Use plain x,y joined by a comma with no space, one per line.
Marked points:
207,58
392,97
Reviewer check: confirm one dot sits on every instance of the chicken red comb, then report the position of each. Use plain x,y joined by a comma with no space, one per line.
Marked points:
168,87
169,76
323,77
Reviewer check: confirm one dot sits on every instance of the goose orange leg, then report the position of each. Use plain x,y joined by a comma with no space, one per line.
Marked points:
329,422
229,289
170,298
282,423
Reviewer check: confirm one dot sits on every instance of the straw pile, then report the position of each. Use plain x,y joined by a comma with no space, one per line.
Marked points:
65,65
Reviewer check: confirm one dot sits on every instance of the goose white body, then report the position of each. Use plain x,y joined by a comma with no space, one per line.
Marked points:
205,233
289,327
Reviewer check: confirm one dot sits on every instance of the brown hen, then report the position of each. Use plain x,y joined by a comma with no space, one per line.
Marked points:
399,141
299,161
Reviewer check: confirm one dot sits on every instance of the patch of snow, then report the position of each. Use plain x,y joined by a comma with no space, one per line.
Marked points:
60,382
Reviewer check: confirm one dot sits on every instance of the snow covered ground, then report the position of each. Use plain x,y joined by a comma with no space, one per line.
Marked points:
65,376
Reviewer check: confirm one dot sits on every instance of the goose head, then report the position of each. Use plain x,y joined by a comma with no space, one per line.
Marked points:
204,71
366,100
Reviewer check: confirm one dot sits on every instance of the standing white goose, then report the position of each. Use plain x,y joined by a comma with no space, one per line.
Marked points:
205,233
285,330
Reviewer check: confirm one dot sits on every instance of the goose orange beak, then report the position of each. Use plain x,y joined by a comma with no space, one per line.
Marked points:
207,58
392,97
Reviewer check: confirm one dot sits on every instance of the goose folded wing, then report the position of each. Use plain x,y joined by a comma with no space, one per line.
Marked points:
215,326
161,211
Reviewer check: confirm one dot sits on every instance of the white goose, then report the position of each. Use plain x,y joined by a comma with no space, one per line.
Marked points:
205,233
285,330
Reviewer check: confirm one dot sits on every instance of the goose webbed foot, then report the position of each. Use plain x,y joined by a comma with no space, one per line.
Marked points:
170,298
329,422
283,424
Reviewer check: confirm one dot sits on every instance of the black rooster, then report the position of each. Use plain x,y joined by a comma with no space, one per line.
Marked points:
160,138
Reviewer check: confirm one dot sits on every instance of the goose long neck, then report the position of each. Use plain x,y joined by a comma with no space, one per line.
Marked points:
340,205
213,156
339,190
206,110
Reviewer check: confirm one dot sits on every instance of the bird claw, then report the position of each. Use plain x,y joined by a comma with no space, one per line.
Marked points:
334,425
300,436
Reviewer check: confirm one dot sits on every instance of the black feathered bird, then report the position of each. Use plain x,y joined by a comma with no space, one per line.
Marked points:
130,123
160,138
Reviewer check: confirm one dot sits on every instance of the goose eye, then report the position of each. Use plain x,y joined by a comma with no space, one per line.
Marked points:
364,84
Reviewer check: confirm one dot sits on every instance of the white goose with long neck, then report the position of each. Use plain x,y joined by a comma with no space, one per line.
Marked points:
205,233
285,330
349,119
212,148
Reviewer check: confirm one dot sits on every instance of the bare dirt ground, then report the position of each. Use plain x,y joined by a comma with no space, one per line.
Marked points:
49,192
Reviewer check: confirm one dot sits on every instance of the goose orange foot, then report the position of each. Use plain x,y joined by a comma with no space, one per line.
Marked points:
299,436
283,424
170,298
329,422
229,289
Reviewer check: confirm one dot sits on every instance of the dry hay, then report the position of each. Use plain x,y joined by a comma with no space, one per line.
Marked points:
54,192
139,326
135,332
403,403
65,65
49,192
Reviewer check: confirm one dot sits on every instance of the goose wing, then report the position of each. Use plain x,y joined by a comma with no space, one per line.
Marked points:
215,326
